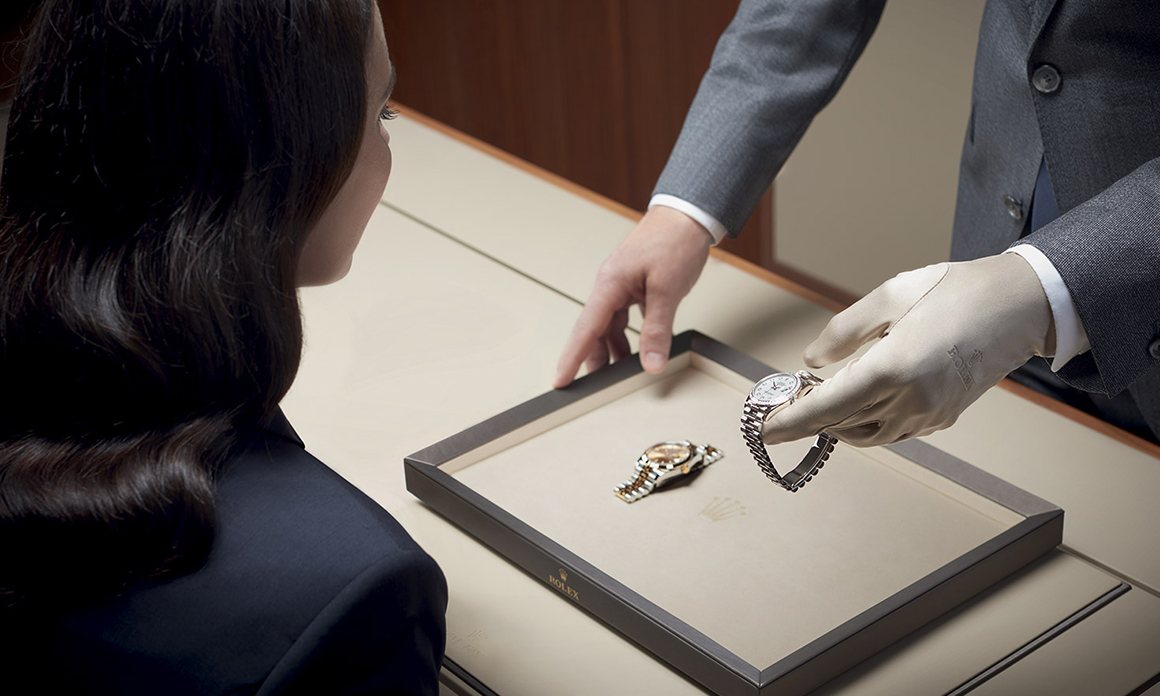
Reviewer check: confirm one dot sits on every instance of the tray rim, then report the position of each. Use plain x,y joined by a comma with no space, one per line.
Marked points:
679,644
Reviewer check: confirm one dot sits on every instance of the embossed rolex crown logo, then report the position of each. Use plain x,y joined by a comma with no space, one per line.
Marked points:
963,365
564,575
720,509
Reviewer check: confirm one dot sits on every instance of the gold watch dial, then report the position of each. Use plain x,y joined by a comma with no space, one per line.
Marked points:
668,453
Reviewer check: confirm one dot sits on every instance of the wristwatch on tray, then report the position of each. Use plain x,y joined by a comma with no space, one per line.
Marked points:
663,463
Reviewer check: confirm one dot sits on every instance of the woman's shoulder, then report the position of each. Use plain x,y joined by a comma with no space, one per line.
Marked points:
296,540
305,575
274,492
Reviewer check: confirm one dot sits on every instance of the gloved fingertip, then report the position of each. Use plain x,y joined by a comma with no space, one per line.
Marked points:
776,431
825,350
813,359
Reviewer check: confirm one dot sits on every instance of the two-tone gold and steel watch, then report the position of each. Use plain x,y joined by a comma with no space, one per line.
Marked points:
768,396
663,463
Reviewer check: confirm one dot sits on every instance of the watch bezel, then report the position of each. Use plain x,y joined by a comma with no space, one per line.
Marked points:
689,451
786,398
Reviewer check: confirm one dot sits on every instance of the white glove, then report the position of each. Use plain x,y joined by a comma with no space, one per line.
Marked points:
949,332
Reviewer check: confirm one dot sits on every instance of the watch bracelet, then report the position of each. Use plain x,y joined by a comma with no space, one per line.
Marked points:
752,420
709,454
640,479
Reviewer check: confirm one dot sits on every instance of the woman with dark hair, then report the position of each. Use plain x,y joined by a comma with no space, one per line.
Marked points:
175,170
15,20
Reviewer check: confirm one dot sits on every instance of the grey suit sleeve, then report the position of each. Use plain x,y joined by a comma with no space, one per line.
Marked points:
1107,250
777,64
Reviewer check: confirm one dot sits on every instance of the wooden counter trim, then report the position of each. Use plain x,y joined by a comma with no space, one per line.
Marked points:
806,293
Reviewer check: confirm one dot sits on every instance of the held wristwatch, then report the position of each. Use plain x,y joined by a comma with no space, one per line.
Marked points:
662,463
768,396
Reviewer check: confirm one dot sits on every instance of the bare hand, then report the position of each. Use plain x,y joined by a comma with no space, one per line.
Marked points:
655,267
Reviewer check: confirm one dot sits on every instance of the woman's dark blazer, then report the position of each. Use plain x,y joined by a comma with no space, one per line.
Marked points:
310,588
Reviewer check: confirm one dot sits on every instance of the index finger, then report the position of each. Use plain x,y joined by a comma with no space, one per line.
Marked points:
593,321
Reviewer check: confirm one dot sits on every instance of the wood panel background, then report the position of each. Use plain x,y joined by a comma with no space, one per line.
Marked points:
595,91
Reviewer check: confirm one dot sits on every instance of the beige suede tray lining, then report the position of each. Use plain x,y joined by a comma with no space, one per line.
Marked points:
759,570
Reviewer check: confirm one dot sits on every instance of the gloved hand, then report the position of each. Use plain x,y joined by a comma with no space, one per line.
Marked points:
949,332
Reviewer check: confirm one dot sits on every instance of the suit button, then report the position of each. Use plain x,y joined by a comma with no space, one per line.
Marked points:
1154,348
1045,79
1014,207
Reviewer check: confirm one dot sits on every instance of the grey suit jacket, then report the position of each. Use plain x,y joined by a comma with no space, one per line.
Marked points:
781,61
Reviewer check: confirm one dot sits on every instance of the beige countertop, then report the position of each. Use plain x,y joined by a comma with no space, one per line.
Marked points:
464,289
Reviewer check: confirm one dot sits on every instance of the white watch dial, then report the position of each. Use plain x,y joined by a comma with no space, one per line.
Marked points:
775,389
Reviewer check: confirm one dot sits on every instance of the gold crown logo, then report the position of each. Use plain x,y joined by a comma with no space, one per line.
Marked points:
564,575
722,509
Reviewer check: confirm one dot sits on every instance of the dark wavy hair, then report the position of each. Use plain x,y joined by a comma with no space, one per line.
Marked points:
165,162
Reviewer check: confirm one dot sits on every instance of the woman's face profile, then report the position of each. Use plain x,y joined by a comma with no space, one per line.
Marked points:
326,255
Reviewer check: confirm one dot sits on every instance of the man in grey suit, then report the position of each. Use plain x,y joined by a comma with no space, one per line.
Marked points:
1056,247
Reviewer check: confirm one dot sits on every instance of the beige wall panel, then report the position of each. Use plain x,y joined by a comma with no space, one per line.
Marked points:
1106,489
870,190
1111,652
940,657
423,339
561,240
515,216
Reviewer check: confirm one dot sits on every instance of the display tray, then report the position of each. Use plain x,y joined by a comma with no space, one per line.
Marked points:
742,586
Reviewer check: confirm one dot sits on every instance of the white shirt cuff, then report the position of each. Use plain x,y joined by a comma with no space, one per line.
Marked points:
1070,337
704,219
